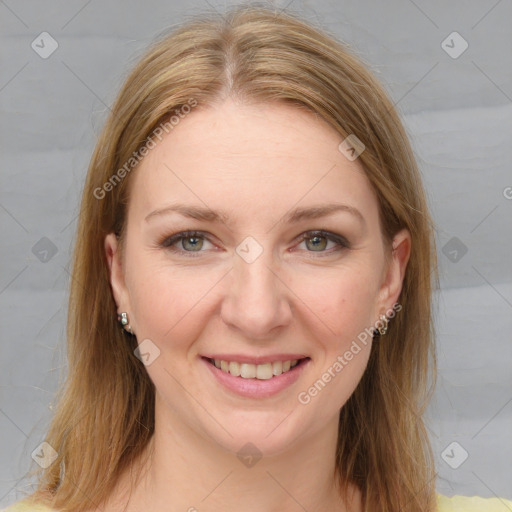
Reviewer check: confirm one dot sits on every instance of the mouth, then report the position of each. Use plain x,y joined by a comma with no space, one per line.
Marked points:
264,371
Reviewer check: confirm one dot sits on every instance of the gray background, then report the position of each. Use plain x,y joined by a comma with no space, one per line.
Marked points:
457,111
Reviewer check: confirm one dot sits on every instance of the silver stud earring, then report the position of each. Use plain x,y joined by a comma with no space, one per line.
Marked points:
122,318
383,328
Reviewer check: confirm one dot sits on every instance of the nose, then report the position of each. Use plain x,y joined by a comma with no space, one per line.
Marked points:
257,302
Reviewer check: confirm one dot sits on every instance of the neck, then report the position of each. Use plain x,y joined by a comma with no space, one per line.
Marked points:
186,471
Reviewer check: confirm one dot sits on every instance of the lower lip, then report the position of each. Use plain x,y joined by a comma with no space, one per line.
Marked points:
257,388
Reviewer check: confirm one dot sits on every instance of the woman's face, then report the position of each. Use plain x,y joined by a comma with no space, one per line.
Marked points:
285,264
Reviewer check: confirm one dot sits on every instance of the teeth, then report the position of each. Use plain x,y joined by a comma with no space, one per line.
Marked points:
234,369
263,371
248,371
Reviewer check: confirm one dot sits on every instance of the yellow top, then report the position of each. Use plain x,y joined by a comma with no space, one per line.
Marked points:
472,504
444,504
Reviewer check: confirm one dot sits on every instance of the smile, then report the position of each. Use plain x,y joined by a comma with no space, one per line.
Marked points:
255,377
264,371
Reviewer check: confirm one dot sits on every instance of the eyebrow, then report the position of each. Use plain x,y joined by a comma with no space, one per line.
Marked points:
296,215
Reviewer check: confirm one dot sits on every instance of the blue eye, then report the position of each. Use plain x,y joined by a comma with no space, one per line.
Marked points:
318,241
189,242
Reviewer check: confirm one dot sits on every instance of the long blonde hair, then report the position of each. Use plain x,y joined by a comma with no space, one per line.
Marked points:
105,413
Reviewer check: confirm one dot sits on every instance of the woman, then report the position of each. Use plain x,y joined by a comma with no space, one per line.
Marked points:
250,309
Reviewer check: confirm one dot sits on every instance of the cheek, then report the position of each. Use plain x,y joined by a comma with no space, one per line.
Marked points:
345,306
170,302
343,300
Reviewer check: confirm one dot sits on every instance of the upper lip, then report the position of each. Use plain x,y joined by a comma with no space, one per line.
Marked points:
244,358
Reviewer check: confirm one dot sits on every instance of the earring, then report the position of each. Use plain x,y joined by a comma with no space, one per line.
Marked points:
382,329
122,318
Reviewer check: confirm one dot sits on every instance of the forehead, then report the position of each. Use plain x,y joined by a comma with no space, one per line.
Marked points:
253,159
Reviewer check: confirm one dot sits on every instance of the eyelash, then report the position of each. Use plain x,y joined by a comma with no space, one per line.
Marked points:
168,241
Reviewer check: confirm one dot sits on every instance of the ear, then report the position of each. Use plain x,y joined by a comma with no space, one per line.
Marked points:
115,268
394,273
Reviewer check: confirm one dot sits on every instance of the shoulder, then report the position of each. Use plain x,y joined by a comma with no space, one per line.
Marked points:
26,506
472,504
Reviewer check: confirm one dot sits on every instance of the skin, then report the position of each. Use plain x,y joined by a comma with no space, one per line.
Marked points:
256,163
